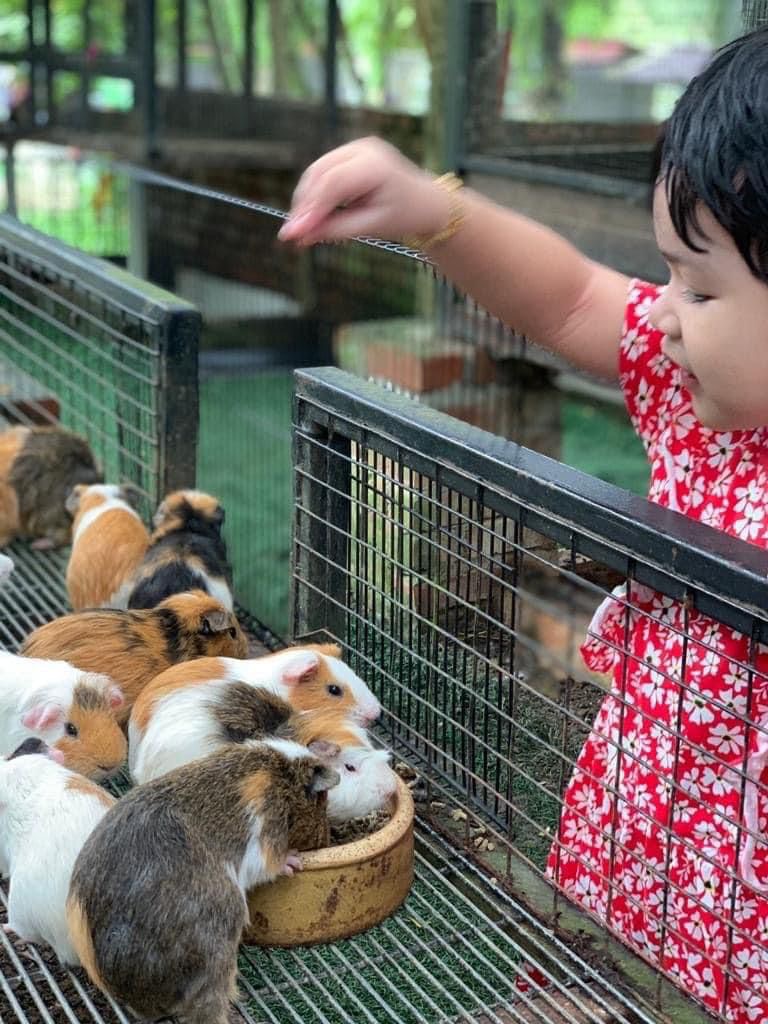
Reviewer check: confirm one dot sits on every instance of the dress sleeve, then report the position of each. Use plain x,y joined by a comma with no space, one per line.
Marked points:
645,374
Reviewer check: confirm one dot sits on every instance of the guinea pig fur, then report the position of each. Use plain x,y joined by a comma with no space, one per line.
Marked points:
134,646
72,710
191,709
186,552
39,466
109,541
46,814
6,568
168,868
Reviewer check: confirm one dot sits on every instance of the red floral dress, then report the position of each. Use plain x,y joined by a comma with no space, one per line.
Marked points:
661,835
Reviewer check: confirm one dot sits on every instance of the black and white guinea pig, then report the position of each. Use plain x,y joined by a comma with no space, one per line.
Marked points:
186,552
39,466
46,814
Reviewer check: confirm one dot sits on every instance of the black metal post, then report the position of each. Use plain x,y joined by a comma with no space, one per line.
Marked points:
180,406
249,31
10,178
456,84
148,76
32,47
181,46
331,72
85,74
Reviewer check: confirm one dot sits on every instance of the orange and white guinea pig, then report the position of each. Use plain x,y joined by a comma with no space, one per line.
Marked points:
39,466
109,540
179,716
135,646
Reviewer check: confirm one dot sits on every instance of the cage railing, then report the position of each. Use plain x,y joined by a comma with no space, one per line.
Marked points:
461,572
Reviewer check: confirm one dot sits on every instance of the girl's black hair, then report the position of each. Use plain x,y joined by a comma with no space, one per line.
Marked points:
715,151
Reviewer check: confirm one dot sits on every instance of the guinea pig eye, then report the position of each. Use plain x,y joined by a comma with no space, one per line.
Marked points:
70,729
335,690
233,632
350,768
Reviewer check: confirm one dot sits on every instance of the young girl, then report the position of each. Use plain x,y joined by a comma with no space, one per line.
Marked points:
662,831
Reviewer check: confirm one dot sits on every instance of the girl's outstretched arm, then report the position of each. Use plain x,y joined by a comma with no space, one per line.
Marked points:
519,270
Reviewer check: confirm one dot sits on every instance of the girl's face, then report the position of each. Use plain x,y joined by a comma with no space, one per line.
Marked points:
714,315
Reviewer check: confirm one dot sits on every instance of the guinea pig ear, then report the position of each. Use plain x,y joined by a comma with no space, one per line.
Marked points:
323,779
300,668
115,697
214,622
73,498
324,750
42,716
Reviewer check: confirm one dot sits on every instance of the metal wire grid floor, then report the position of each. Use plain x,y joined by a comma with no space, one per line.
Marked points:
456,951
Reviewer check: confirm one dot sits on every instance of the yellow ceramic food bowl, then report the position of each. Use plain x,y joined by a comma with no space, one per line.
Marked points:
341,890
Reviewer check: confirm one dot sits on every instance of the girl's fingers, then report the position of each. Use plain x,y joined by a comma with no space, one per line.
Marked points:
352,184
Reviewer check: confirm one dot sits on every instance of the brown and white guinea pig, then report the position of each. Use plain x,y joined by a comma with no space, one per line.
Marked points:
190,721
39,466
46,814
186,552
168,867
73,710
109,541
134,646
191,709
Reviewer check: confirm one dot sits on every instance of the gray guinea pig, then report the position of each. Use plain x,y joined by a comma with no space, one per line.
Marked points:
157,905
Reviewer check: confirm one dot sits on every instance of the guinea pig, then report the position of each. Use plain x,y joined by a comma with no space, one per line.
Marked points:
135,646
72,710
109,541
367,782
46,814
39,466
186,552
190,709
157,902
6,568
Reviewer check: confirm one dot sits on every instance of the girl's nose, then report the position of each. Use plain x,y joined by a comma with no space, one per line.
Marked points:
662,317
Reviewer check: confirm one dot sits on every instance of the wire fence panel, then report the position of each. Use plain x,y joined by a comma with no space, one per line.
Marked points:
87,347
463,573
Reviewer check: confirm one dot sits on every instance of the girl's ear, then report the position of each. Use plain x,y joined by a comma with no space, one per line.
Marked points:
42,716
300,668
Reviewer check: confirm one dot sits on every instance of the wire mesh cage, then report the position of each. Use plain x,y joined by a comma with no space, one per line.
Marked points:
85,347
463,575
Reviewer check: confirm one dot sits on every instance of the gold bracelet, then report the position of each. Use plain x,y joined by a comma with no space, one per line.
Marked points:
451,184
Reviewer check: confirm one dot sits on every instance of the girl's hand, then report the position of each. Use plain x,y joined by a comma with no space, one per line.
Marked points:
367,188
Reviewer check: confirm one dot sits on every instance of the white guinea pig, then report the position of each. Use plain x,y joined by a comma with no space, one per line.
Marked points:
69,709
367,783
46,814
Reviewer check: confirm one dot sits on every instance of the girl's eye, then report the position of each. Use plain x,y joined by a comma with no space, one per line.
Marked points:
691,296
350,767
70,729
334,690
